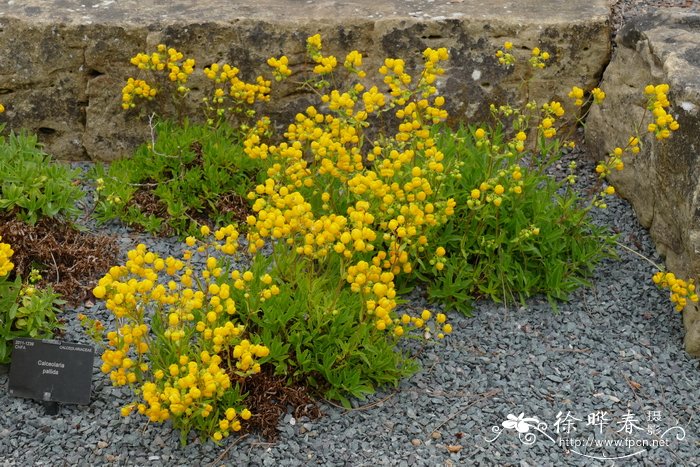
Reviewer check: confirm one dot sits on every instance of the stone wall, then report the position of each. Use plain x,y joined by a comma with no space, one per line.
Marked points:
662,182
63,63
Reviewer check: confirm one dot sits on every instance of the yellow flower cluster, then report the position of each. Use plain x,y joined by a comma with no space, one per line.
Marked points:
681,290
136,88
664,123
547,128
164,59
441,328
6,253
577,94
383,203
184,388
504,55
598,95
240,91
279,67
176,337
353,62
614,160
324,64
230,422
538,58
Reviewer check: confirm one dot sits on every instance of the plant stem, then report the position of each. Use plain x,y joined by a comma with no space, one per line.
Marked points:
660,268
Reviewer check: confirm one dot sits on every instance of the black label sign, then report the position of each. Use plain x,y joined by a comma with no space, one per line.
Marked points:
50,370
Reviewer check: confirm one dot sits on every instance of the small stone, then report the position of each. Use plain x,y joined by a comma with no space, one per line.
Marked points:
453,448
416,442
436,435
102,444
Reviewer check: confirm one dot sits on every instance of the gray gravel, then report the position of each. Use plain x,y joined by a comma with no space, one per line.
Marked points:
614,347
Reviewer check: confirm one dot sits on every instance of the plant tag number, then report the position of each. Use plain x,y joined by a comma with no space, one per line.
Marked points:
51,370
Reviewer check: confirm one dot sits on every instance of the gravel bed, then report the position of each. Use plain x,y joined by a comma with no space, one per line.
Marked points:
615,347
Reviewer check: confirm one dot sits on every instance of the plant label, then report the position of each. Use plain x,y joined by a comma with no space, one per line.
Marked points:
51,370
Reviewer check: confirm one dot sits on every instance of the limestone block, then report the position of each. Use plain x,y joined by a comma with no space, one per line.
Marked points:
663,181
62,64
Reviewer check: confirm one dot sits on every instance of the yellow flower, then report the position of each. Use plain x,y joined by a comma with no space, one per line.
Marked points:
99,291
598,95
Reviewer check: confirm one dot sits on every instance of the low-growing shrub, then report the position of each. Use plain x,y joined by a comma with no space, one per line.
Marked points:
189,331
362,196
189,175
25,310
32,186
39,206
517,231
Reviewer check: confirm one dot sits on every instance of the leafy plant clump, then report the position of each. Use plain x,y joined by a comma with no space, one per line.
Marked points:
516,231
189,175
32,186
39,203
363,196
26,310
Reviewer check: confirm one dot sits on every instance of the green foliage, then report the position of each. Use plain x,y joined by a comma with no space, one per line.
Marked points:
523,233
32,185
25,311
193,175
324,339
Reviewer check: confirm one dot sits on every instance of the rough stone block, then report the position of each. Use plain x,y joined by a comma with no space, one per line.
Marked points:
63,63
662,182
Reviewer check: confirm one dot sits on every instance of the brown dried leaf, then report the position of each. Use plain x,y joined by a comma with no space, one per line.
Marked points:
70,260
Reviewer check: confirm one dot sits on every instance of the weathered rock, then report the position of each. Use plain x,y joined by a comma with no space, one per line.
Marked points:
662,182
63,62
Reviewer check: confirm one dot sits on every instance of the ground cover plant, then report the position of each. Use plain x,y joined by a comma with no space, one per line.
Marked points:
44,258
25,310
363,196
188,174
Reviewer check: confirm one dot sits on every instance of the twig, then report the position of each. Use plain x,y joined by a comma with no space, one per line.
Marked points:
362,407
58,275
640,255
228,448
481,397
152,127
629,383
